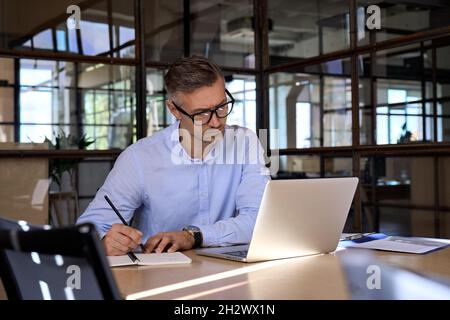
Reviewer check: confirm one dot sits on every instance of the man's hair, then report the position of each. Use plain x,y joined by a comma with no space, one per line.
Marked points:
191,73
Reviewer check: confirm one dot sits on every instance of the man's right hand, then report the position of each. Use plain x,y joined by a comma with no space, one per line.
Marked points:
121,239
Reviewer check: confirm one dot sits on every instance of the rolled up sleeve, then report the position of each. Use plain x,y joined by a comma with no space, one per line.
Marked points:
123,187
239,229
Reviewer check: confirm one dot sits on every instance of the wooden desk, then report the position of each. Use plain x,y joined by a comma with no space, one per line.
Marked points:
314,277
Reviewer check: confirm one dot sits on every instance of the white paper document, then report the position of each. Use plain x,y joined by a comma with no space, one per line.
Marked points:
149,259
402,244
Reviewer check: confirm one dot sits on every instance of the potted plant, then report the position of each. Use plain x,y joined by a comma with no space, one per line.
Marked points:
64,203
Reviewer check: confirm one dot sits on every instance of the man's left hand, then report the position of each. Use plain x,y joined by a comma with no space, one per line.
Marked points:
170,241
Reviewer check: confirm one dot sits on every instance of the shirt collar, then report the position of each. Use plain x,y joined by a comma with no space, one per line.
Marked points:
174,144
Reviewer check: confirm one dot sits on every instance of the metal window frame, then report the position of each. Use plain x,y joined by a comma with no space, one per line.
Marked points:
262,71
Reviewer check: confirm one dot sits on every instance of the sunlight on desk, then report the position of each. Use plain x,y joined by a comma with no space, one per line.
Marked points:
212,278
313,277
219,276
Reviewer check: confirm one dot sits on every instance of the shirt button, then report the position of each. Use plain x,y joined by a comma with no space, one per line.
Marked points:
203,194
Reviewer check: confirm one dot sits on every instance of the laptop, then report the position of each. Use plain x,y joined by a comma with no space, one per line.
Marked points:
296,218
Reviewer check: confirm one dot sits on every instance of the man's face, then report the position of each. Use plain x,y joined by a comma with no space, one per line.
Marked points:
204,98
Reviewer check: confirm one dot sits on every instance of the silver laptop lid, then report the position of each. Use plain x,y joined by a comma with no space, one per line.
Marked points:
301,217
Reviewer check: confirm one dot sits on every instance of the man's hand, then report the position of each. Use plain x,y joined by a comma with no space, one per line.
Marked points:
121,239
170,241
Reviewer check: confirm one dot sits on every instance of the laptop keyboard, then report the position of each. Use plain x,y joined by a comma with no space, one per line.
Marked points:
241,254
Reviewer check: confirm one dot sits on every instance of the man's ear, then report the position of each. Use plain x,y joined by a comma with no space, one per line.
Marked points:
172,109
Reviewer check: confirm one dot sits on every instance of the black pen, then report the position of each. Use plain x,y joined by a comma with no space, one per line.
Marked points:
124,222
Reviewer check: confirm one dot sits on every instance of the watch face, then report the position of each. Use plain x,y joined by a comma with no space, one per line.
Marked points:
193,228
197,233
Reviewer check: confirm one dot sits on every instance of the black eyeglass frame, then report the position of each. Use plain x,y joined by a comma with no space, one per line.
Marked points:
213,110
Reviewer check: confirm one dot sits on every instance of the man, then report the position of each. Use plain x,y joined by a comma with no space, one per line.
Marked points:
192,184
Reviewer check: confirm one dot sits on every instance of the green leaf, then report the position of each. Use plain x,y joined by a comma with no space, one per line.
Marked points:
57,167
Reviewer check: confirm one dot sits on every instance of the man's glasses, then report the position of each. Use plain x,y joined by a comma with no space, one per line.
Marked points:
204,117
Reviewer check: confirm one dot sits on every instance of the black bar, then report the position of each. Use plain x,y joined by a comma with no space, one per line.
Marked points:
54,40
112,125
373,131
426,150
73,57
434,66
261,50
322,166
437,224
59,153
79,42
141,82
110,28
321,108
374,198
70,57
387,149
357,222
78,99
17,100
187,27
373,92
321,116
423,91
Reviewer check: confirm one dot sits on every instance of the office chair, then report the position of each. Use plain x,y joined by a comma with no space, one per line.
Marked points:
39,263
8,224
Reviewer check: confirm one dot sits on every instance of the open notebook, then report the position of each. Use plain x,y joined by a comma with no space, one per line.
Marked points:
149,259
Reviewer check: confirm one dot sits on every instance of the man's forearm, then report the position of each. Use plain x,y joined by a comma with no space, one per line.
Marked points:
232,231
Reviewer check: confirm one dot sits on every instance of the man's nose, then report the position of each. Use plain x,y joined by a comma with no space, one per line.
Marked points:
215,121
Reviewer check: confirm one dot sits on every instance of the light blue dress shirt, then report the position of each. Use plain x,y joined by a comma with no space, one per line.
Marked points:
158,183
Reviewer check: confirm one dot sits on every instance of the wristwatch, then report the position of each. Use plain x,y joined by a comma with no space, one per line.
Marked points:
197,234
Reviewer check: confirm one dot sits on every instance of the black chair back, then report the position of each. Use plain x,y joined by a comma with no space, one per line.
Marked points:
40,263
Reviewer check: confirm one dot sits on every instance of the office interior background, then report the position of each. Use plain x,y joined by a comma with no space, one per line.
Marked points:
346,100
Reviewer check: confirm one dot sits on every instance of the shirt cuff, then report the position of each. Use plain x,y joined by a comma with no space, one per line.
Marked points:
101,234
209,235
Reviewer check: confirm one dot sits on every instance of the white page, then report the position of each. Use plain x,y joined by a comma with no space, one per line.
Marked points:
117,261
151,259
401,244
